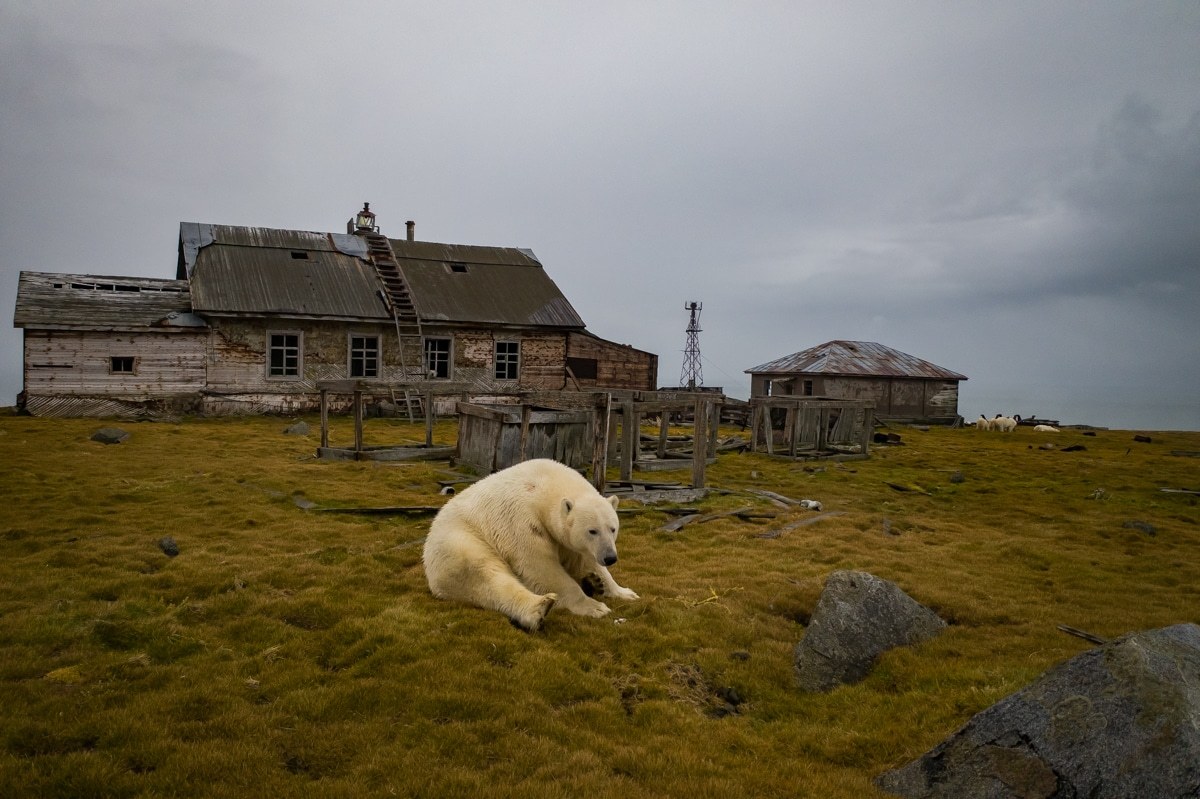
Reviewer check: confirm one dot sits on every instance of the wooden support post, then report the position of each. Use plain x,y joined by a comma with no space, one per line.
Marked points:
600,419
429,418
629,439
526,412
822,427
714,427
358,421
699,439
868,427
755,413
663,423
324,418
769,430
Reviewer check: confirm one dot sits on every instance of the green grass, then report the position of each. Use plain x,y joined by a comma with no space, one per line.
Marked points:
287,653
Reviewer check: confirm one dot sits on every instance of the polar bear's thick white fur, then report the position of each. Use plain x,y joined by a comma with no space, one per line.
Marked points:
524,538
983,423
1045,428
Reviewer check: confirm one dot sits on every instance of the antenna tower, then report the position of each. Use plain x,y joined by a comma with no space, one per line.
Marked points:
692,375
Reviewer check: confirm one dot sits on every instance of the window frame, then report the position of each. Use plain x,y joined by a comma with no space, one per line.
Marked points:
374,353
130,360
511,361
447,357
271,348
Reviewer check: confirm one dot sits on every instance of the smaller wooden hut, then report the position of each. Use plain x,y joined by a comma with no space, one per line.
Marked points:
901,387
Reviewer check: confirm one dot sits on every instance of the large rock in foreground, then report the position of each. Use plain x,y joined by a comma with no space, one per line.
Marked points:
1119,721
858,617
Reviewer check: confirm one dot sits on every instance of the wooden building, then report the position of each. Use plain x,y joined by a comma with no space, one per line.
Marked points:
901,386
255,317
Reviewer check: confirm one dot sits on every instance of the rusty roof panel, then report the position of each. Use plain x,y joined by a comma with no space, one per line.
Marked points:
55,300
288,273
856,359
485,285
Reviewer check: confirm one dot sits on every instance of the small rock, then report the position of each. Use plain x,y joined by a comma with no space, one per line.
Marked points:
739,654
858,617
1143,439
110,435
168,546
957,477
1141,527
297,429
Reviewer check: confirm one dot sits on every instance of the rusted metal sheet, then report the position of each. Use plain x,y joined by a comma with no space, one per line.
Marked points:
856,358
61,301
456,283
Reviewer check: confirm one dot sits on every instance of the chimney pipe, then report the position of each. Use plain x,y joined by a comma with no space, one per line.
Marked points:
412,230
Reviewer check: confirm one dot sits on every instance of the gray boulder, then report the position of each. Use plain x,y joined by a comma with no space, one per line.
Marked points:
296,429
110,435
1121,720
858,617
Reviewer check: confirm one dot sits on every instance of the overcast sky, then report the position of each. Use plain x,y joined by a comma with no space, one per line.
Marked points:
1010,190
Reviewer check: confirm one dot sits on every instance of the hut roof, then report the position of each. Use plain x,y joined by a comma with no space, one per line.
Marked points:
856,359
54,300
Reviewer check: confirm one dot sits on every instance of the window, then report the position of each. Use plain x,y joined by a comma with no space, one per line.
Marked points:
807,388
437,357
508,356
121,364
459,268
299,255
583,368
283,354
364,356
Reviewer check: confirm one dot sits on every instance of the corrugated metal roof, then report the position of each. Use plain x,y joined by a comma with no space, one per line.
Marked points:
255,271
486,285
855,358
247,270
58,301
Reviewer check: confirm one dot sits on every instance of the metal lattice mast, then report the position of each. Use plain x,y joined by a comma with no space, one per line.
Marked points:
692,374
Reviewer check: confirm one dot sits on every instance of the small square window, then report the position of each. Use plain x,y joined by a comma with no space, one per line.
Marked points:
508,357
364,356
283,355
121,364
299,255
437,357
459,268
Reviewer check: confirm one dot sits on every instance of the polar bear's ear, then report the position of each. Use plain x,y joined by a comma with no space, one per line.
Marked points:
613,500
567,505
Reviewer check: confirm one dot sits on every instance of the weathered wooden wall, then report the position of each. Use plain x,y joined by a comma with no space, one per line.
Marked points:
490,439
893,397
80,363
618,366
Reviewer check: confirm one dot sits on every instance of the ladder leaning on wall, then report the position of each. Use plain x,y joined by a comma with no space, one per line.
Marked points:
398,299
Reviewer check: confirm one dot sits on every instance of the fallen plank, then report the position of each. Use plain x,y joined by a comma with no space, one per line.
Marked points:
778,531
683,521
1180,491
400,510
1095,639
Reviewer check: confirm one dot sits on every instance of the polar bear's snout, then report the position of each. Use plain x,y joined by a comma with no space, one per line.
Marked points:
610,557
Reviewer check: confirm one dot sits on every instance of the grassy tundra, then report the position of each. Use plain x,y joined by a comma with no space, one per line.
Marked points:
290,653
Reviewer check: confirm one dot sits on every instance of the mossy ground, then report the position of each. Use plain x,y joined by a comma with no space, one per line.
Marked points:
287,652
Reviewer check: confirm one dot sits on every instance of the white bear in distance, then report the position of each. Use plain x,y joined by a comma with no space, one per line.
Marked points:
524,538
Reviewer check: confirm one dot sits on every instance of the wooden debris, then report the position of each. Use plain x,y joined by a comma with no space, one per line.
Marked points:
1180,491
400,510
915,489
1095,639
806,521
1185,453
679,523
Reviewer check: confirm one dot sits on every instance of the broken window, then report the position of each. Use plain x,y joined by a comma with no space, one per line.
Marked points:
364,356
508,356
807,388
437,358
583,368
283,354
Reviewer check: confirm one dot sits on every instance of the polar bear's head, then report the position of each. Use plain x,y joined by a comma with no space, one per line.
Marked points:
589,527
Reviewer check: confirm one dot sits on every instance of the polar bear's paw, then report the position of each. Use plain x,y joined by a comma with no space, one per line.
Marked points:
531,620
592,609
592,585
625,594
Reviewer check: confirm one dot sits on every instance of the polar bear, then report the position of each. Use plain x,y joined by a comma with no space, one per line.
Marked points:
524,538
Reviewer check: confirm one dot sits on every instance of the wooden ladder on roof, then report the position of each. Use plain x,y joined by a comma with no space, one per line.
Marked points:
398,299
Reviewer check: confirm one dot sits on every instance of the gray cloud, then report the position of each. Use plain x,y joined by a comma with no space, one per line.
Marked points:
975,184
